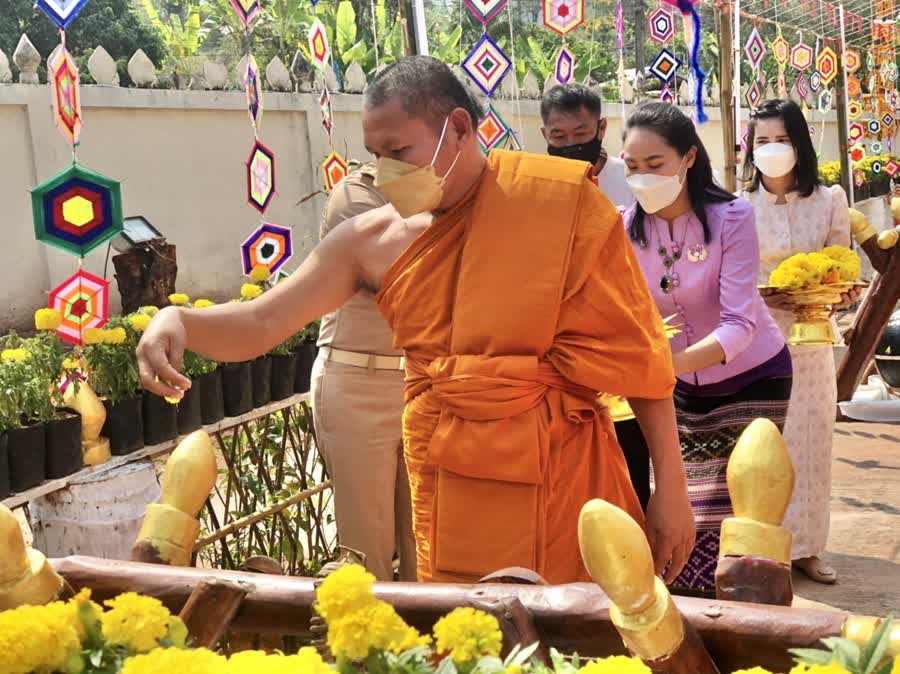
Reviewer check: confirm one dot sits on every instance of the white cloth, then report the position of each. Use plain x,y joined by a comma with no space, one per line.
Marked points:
611,181
805,225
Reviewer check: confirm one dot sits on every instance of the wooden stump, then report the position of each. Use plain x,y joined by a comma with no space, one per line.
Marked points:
210,609
146,275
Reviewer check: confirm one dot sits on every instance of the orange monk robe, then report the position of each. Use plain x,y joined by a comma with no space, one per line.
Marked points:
514,310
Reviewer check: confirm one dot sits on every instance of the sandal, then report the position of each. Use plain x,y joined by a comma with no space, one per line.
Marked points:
816,569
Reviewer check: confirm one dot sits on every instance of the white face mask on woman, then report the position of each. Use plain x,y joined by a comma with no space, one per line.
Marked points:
654,192
775,160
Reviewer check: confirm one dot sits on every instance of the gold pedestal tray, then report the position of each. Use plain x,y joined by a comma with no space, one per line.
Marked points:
812,311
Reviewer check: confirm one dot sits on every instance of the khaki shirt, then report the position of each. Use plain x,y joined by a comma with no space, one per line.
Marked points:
358,325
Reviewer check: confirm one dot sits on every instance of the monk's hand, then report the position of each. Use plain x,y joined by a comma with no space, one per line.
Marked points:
160,354
671,530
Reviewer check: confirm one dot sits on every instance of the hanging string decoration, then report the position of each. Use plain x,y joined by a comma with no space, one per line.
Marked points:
854,87
565,65
827,65
854,109
326,114
802,86
318,44
665,65
66,93
660,25
61,12
781,52
253,89
83,302
492,131
486,64
268,246
260,177
562,17
485,10
825,100
852,61
246,10
815,82
857,131
755,49
334,170
801,56
688,10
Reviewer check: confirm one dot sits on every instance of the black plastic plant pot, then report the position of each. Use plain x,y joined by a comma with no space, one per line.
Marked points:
4,466
189,412
27,452
212,407
63,440
237,389
160,419
261,370
124,425
284,371
306,356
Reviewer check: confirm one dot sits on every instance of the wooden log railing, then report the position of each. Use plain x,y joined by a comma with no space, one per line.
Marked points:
571,618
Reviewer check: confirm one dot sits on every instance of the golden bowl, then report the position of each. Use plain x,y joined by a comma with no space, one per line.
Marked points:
812,312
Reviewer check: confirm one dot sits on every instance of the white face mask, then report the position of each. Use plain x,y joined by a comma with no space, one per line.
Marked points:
412,189
654,192
775,159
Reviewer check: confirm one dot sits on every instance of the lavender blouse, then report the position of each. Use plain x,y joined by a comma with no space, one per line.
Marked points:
716,292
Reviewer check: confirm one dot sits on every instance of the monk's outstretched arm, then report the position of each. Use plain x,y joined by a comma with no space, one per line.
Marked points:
236,332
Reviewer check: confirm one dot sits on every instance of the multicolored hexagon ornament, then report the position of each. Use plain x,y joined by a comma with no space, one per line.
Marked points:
801,57
268,246
875,146
61,12
486,64
485,10
77,210
260,176
492,131
873,127
825,100
781,50
563,16
755,49
857,131
246,10
664,65
815,82
854,109
661,25
857,154
334,170
62,73
802,86
852,60
876,167
827,65
83,302
854,87
565,65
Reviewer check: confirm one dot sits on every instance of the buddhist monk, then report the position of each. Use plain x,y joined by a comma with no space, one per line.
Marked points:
510,285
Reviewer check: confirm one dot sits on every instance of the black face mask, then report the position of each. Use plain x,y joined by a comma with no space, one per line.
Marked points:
589,152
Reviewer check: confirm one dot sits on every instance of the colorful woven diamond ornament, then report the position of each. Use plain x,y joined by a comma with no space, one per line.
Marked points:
61,12
873,127
247,10
486,64
660,25
876,166
318,44
852,61
782,84
77,210
62,74
563,16
253,89
492,131
854,109
744,135
825,100
892,73
754,95
815,82
755,49
894,100
326,114
512,142
334,170
781,50
859,178
260,176
875,147
887,121
857,131
666,95
802,86
83,302
485,10
565,65
664,65
858,153
268,246
801,57
827,65
891,168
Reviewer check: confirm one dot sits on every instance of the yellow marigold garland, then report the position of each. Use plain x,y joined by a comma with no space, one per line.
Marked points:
47,319
807,270
468,635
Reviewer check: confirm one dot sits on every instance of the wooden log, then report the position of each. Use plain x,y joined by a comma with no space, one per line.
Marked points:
617,555
210,609
755,550
146,275
516,622
724,19
257,642
570,618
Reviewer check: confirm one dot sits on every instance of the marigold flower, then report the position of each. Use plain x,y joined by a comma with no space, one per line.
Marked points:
150,310
135,621
832,668
71,364
250,291
139,322
755,670
15,355
169,660
377,626
345,591
179,299
617,664
115,336
468,635
260,273
202,304
38,638
92,336
47,319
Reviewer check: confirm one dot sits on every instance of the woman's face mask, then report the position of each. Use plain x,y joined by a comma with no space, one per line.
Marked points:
412,189
655,192
775,160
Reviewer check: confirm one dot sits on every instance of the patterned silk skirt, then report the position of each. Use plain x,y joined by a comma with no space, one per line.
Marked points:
709,428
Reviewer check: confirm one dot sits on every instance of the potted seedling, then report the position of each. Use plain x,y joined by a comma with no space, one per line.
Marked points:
28,396
237,378
306,350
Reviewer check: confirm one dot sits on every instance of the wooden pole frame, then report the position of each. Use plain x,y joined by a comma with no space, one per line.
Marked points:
728,102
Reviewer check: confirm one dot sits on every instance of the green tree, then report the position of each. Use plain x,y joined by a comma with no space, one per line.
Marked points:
114,24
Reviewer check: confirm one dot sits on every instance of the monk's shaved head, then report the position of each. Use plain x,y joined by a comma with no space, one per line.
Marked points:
425,87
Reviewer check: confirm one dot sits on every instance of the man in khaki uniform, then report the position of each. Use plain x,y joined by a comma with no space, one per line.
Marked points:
357,402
